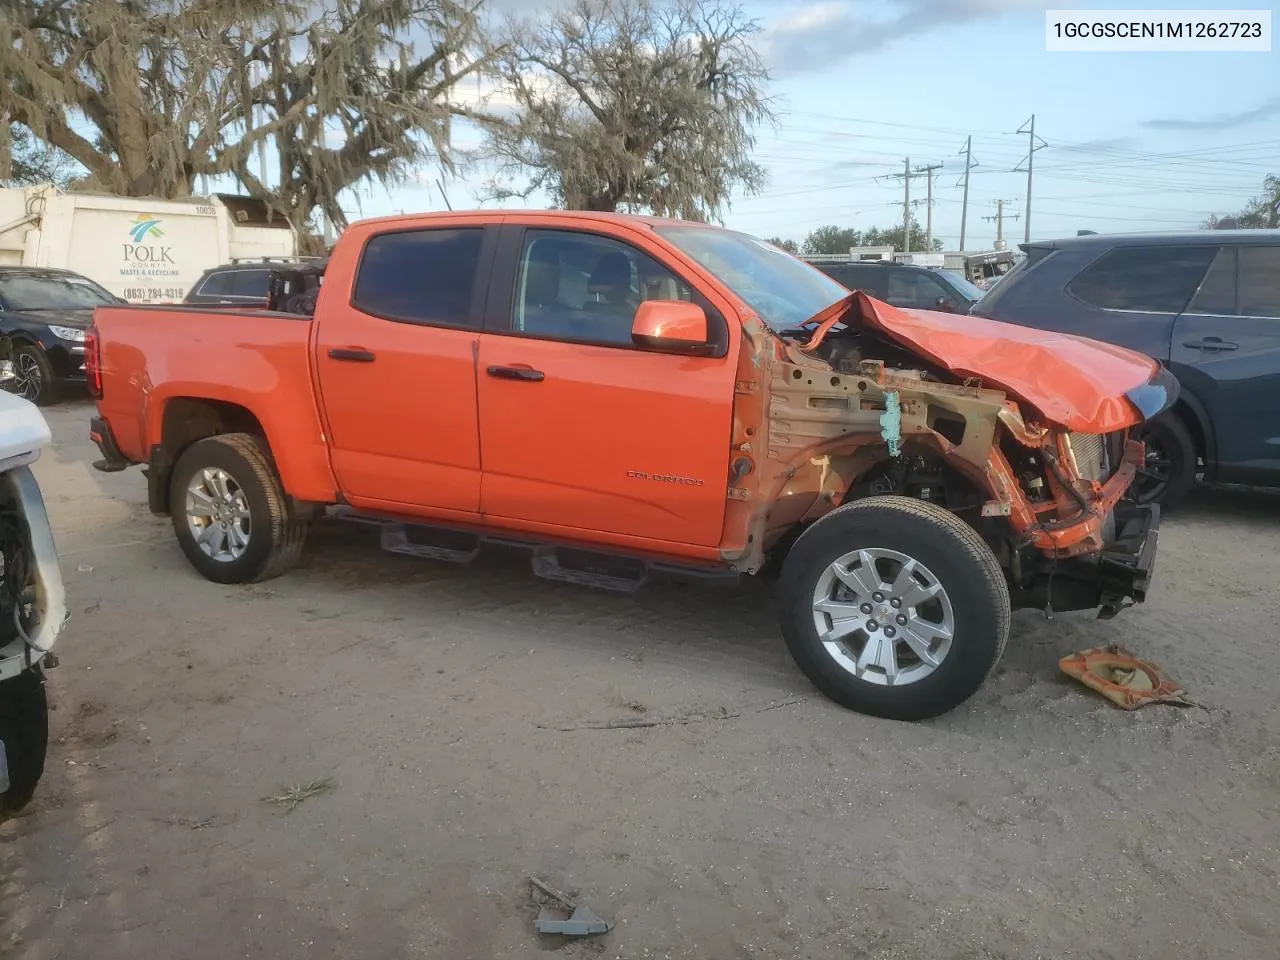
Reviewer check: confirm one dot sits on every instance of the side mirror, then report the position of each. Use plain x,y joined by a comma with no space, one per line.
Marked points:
945,305
670,326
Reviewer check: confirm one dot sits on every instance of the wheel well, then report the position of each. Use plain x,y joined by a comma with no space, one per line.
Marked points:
919,474
1187,414
186,420
15,338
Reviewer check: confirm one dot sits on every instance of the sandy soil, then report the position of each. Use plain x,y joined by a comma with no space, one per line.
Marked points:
1036,821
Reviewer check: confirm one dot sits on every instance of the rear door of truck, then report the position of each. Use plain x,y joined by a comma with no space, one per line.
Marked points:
580,428
397,327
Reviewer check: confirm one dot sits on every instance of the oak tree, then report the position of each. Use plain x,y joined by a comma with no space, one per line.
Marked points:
647,105
148,95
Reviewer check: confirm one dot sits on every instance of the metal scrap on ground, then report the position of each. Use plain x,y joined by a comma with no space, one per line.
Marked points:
1122,678
581,921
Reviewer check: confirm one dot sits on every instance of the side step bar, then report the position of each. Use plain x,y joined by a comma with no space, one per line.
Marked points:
588,567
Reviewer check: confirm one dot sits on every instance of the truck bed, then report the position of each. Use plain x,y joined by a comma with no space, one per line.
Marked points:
163,364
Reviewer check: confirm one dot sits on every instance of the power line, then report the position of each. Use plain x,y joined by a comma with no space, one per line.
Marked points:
1083,146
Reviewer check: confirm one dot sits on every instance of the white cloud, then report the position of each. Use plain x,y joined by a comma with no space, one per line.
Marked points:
819,35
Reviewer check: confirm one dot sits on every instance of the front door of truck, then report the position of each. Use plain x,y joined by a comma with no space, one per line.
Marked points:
580,428
396,367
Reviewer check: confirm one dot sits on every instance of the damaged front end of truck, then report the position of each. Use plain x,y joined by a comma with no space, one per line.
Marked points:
1023,435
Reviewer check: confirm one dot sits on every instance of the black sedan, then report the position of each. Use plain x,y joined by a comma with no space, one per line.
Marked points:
44,313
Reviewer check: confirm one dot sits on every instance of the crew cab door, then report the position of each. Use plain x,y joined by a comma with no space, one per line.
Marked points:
396,365
1226,351
579,427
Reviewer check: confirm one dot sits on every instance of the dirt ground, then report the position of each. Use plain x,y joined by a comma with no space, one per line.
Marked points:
1035,821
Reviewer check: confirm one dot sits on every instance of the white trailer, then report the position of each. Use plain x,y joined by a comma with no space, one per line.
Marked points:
931,260
143,250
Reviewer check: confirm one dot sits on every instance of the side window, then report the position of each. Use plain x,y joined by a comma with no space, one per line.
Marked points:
216,285
1146,279
420,276
250,283
577,286
870,280
1260,281
914,289
1217,294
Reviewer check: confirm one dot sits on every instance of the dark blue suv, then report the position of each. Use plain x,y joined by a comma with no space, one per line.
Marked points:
1207,304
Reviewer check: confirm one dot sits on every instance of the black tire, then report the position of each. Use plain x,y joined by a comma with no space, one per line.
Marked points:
274,539
24,730
1172,462
953,555
33,377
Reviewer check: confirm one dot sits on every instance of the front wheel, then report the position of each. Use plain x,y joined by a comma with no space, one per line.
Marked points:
229,511
894,607
24,738
1169,470
32,376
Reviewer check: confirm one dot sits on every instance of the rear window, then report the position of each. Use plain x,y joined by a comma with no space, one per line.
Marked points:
1143,279
871,280
994,293
420,276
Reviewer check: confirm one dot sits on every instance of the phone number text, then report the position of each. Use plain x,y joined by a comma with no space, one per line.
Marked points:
153,293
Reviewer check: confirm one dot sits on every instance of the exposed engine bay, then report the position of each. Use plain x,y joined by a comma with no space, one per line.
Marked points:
895,424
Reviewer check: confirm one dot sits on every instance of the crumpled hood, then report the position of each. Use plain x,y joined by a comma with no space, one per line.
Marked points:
1078,383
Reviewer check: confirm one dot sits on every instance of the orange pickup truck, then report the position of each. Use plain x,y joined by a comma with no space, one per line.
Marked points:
631,397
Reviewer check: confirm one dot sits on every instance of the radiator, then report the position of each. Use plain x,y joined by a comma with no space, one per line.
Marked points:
1087,448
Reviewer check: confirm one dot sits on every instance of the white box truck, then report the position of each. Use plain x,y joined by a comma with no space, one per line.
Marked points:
142,250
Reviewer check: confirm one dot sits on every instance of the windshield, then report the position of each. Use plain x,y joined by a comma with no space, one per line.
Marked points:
784,291
966,289
51,291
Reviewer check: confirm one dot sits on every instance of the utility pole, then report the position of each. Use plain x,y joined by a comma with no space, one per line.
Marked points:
928,230
969,164
906,175
906,205
999,218
1031,153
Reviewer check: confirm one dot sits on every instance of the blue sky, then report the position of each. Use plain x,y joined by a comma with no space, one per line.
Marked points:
1137,141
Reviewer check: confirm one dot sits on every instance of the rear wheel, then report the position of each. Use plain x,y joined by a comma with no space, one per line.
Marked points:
1169,472
895,608
24,732
229,511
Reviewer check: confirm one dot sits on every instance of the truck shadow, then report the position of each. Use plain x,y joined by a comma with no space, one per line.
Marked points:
498,590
